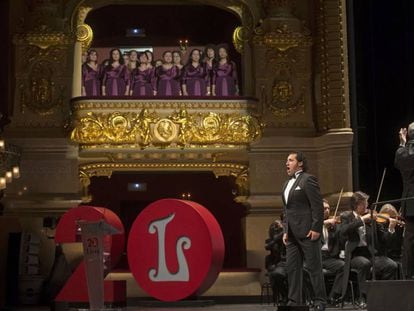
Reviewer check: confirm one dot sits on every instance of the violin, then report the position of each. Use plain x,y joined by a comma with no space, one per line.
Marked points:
384,217
337,219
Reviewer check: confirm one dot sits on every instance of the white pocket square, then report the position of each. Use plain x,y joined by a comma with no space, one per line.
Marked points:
297,188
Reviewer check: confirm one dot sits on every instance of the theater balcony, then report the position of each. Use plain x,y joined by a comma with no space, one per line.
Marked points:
124,134
128,128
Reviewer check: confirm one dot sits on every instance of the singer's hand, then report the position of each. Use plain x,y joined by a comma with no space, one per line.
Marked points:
285,238
403,136
313,235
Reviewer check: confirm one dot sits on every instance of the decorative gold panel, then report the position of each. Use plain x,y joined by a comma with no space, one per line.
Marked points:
183,123
151,129
43,37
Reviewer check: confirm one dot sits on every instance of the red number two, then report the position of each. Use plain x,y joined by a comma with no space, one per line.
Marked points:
75,289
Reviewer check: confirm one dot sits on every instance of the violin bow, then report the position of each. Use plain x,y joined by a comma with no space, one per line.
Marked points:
337,203
380,187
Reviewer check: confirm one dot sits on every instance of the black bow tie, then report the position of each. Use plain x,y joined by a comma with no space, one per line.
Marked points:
293,176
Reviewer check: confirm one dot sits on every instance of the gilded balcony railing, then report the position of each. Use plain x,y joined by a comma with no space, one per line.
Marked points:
164,123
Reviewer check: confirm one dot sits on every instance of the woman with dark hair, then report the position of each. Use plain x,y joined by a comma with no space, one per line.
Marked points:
142,78
115,81
150,57
210,60
91,75
225,82
177,61
168,77
194,80
133,60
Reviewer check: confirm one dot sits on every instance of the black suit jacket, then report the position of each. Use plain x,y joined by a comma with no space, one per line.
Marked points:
349,232
304,208
404,162
334,241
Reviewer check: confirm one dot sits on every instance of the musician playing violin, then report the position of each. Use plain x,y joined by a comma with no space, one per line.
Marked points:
392,246
356,228
331,248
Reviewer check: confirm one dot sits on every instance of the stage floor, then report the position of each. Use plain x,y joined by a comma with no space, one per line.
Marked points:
217,307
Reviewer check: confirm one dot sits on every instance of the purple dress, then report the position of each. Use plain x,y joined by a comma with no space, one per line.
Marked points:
143,82
196,79
225,79
168,81
115,80
210,73
91,80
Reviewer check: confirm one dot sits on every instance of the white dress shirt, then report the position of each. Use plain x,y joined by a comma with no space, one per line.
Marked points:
362,231
290,185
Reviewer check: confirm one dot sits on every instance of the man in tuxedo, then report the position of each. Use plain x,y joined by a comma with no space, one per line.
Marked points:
404,162
303,210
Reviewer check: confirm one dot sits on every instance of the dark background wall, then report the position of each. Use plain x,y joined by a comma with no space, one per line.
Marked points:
383,94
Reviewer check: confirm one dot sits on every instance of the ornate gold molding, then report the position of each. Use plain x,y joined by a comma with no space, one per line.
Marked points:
43,37
86,171
282,38
103,105
240,36
106,169
149,128
84,34
333,102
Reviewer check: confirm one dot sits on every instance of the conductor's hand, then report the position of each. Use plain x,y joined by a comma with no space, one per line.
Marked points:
313,235
403,136
285,238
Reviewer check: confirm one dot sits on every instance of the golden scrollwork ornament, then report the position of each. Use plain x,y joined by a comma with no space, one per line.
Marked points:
240,36
84,34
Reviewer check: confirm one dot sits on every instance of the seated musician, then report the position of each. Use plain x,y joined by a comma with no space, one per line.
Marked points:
275,262
389,241
356,228
331,247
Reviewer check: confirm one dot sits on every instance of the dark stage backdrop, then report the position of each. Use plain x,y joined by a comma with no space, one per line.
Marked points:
382,88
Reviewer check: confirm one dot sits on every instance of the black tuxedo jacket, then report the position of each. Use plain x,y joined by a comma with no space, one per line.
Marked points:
349,232
404,162
334,242
304,208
